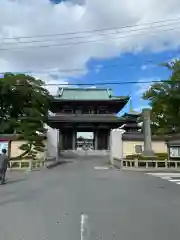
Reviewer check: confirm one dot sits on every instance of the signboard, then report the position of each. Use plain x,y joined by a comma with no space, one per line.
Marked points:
4,145
138,148
174,152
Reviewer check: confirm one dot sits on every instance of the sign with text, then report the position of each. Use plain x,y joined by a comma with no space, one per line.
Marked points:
174,152
138,148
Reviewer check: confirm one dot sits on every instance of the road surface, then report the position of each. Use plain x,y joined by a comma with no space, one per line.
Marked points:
119,205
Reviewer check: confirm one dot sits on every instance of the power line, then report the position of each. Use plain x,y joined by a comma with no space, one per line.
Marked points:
99,34
107,83
68,85
85,42
130,64
91,31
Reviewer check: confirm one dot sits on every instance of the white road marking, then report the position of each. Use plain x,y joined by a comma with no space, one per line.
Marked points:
101,168
164,174
174,180
170,177
166,178
84,227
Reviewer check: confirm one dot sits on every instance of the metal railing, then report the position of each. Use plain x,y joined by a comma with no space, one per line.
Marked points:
145,163
26,164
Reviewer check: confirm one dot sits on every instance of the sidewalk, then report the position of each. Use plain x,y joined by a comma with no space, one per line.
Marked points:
151,169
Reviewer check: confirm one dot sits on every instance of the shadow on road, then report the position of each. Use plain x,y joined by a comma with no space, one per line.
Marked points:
11,181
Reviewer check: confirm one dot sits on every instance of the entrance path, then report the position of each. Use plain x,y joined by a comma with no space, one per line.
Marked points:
59,203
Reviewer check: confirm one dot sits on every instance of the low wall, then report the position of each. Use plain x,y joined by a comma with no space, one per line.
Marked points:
117,163
145,164
12,143
26,164
159,146
15,151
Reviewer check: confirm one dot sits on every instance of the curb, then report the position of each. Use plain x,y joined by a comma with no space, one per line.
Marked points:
55,164
151,169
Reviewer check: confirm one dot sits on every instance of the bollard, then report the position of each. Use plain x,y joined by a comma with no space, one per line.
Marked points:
136,163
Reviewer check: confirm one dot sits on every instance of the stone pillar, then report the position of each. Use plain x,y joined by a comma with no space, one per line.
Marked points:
147,132
96,140
74,140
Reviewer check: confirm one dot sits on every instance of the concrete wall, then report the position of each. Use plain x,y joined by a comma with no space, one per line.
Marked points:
52,142
116,145
15,151
129,146
120,147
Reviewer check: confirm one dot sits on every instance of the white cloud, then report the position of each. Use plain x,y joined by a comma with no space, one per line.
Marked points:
143,85
52,80
32,17
144,67
174,59
140,108
98,68
147,67
53,89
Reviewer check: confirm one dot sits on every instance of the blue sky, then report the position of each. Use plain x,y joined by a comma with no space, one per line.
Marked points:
139,67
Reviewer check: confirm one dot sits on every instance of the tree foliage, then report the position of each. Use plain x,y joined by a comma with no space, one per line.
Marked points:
24,104
164,98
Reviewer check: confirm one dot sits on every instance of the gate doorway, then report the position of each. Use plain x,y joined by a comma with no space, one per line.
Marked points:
85,139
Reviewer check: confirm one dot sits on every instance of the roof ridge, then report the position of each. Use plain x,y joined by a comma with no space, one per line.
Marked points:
88,88
88,94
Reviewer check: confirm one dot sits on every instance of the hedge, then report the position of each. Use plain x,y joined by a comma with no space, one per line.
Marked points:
158,156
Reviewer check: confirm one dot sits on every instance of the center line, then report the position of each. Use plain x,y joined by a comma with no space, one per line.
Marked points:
84,226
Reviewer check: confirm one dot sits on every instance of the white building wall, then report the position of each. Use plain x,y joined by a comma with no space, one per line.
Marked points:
52,142
116,144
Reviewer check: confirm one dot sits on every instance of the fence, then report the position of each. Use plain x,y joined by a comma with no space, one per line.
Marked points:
145,163
26,164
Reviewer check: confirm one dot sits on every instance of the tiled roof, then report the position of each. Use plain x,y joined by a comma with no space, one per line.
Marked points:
85,118
87,94
140,137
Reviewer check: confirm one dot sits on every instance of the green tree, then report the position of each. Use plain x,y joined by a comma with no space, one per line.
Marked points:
164,98
24,104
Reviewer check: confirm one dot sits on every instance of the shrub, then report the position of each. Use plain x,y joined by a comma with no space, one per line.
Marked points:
158,156
162,155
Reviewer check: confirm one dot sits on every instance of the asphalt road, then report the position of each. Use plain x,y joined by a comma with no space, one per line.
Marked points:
120,205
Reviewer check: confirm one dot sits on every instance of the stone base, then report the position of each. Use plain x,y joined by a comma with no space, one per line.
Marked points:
148,153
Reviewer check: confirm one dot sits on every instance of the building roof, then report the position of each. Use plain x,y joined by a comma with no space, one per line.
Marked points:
89,94
132,114
131,125
13,137
86,118
140,137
